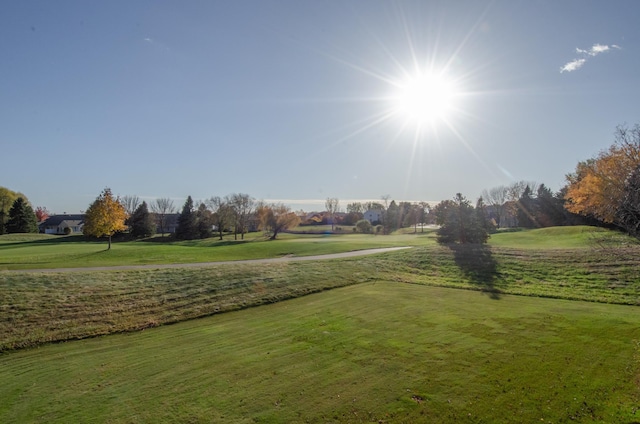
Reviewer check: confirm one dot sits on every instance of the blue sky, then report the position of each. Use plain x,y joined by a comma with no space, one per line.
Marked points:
297,100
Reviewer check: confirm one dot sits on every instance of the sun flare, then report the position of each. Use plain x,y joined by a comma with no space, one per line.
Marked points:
425,98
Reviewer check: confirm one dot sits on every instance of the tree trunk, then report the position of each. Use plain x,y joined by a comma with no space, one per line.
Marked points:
109,248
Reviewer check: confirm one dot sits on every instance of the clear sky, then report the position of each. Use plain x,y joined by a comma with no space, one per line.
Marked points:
302,100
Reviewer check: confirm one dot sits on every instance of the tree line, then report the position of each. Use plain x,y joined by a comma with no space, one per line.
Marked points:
603,190
237,213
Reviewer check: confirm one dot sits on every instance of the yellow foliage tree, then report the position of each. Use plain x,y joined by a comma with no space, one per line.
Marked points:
105,216
597,187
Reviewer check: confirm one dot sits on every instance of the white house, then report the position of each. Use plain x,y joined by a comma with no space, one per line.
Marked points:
62,224
373,215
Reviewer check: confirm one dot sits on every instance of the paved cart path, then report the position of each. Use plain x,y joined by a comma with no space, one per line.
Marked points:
352,254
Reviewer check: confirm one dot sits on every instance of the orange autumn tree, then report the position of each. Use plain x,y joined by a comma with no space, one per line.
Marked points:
597,187
105,216
276,218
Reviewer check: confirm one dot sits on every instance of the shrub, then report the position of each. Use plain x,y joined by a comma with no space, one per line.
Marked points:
363,226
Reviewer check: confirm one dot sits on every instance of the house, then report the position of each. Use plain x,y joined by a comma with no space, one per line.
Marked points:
374,216
167,222
62,224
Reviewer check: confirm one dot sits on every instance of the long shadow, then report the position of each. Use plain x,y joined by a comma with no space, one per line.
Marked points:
52,240
477,263
201,243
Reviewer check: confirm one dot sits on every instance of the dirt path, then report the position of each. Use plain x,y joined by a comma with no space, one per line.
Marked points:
206,264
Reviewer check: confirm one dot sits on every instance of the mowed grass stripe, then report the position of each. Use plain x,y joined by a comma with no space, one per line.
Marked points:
39,308
370,352
36,309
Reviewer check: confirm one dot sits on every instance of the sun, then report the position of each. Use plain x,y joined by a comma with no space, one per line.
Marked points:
424,98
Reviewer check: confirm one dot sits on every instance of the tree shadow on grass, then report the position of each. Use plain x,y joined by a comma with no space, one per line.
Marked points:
478,265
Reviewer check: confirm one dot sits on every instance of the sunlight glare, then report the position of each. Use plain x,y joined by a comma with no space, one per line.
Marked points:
425,98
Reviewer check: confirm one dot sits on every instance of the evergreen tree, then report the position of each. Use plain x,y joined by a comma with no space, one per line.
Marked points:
204,219
22,219
459,222
3,220
187,226
141,223
550,208
391,218
527,210
482,217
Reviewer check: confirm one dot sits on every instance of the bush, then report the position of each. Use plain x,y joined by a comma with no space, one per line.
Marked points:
363,226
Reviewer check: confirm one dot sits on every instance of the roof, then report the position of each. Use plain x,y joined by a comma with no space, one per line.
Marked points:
55,220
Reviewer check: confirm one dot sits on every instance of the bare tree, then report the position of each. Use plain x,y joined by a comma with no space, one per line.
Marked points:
496,197
130,204
516,189
332,205
161,208
514,193
243,206
356,207
385,198
628,141
412,215
424,209
223,212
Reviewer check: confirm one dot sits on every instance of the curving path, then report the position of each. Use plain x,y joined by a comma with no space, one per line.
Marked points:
207,264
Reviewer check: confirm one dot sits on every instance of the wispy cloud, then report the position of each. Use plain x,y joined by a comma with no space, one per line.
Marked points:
595,50
573,65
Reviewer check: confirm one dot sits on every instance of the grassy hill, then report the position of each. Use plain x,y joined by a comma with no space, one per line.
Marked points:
373,352
372,339
41,308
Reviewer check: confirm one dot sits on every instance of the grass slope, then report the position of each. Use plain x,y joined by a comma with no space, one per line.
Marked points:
576,237
374,352
41,308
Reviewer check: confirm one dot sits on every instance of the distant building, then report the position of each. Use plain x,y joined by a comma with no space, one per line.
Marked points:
374,216
170,223
62,224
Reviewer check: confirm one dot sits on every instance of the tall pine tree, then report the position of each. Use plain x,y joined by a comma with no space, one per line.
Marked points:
187,228
204,218
141,223
527,210
459,222
22,219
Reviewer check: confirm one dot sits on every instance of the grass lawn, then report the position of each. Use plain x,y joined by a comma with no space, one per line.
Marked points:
40,251
372,352
577,237
42,308
382,338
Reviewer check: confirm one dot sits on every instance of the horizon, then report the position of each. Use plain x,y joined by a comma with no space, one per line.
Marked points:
306,205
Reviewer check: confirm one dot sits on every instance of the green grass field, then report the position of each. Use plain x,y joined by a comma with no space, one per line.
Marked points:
373,352
41,251
377,339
